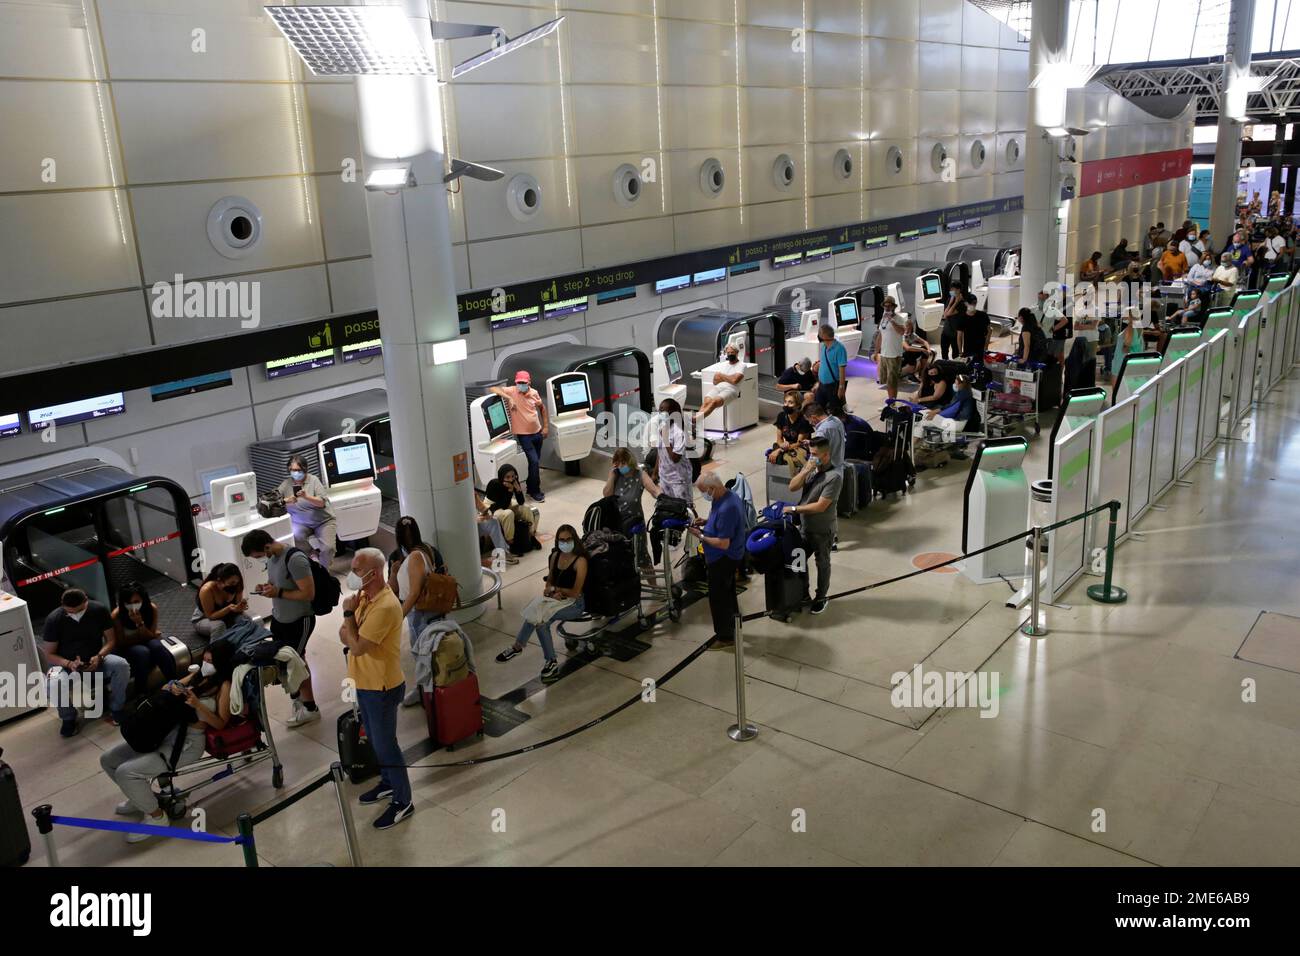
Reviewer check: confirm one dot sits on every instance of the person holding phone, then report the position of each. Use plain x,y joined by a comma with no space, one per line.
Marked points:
139,638
80,638
220,603
306,500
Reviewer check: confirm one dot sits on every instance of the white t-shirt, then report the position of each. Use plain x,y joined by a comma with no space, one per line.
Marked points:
1273,247
1189,250
1225,275
891,336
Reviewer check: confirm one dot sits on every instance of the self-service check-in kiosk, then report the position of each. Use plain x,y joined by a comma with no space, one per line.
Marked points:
572,429
348,465
742,411
996,506
667,376
928,315
843,317
233,513
1135,371
494,444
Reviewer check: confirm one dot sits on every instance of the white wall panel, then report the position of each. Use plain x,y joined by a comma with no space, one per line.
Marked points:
52,39
510,121
352,283
940,20
59,122
938,66
64,244
51,333
535,256
603,49
286,296
488,216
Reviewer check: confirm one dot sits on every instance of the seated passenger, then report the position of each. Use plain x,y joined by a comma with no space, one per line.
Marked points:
916,354
799,377
79,638
1201,275
489,529
792,433
1090,270
958,412
1226,277
207,694
1121,255
220,603
626,484
139,640
1191,314
506,494
725,387
936,385
561,600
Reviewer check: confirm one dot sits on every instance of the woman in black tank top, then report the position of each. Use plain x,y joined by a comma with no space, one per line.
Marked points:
561,600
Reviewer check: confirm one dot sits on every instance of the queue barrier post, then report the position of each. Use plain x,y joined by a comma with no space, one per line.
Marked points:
1033,627
249,845
741,730
345,813
45,826
1108,592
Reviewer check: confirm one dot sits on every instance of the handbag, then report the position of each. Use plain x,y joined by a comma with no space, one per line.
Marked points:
270,504
438,593
541,609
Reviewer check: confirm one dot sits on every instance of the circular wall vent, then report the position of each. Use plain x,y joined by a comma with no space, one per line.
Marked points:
894,161
938,156
712,177
1013,152
524,197
843,164
977,154
627,185
234,226
783,171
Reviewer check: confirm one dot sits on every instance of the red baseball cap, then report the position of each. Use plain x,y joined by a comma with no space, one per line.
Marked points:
523,376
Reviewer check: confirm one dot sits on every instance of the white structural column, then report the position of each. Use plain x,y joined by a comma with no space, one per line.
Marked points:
400,120
1039,237
1227,149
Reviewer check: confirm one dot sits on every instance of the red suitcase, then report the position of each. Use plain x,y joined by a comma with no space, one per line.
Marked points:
454,712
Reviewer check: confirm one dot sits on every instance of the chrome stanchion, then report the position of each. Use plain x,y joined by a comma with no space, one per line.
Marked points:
1032,627
345,812
46,828
741,729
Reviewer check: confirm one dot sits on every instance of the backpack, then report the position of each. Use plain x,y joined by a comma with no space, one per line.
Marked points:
602,515
328,590
156,717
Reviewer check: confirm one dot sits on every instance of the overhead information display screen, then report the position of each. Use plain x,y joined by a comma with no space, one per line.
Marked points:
79,411
672,284
189,386
505,320
787,260
709,276
816,255
556,310
9,424
362,350
278,368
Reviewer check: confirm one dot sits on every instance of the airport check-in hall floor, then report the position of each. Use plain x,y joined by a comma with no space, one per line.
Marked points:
1121,738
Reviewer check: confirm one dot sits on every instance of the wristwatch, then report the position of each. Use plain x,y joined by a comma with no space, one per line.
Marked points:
349,613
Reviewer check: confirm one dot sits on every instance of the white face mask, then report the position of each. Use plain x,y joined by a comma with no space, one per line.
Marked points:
77,615
355,581
208,669
134,607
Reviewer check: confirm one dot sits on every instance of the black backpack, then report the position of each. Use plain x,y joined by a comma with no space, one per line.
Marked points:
156,717
328,590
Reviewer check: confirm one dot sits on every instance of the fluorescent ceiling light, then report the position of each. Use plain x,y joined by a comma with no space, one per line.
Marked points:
390,177
353,40
444,353
1064,76
536,33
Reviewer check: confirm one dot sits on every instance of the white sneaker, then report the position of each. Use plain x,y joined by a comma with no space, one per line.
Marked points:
301,715
127,809
413,698
161,821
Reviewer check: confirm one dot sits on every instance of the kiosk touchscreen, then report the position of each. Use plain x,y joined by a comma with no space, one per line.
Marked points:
929,302
996,506
667,376
494,445
1135,371
348,463
232,514
573,430
846,319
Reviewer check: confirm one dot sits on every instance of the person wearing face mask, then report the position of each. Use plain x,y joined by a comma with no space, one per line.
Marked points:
723,537
673,459
893,326
1173,264
309,509
139,639
207,692
372,635
726,385
832,369
561,600
529,425
79,638
505,493
220,603
818,487
792,433
626,484
409,565
291,588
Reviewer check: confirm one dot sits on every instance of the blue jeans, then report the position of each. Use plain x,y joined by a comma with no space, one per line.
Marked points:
379,717
116,673
143,658
570,613
532,448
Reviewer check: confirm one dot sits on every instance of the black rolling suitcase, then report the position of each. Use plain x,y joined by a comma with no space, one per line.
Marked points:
355,751
772,550
892,470
856,488
15,842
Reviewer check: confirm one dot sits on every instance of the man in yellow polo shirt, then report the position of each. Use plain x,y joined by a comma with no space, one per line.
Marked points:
372,633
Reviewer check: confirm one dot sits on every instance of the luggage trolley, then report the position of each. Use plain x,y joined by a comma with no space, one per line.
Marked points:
1011,400
241,755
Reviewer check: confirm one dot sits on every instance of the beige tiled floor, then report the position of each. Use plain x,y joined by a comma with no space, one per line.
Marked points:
1132,714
